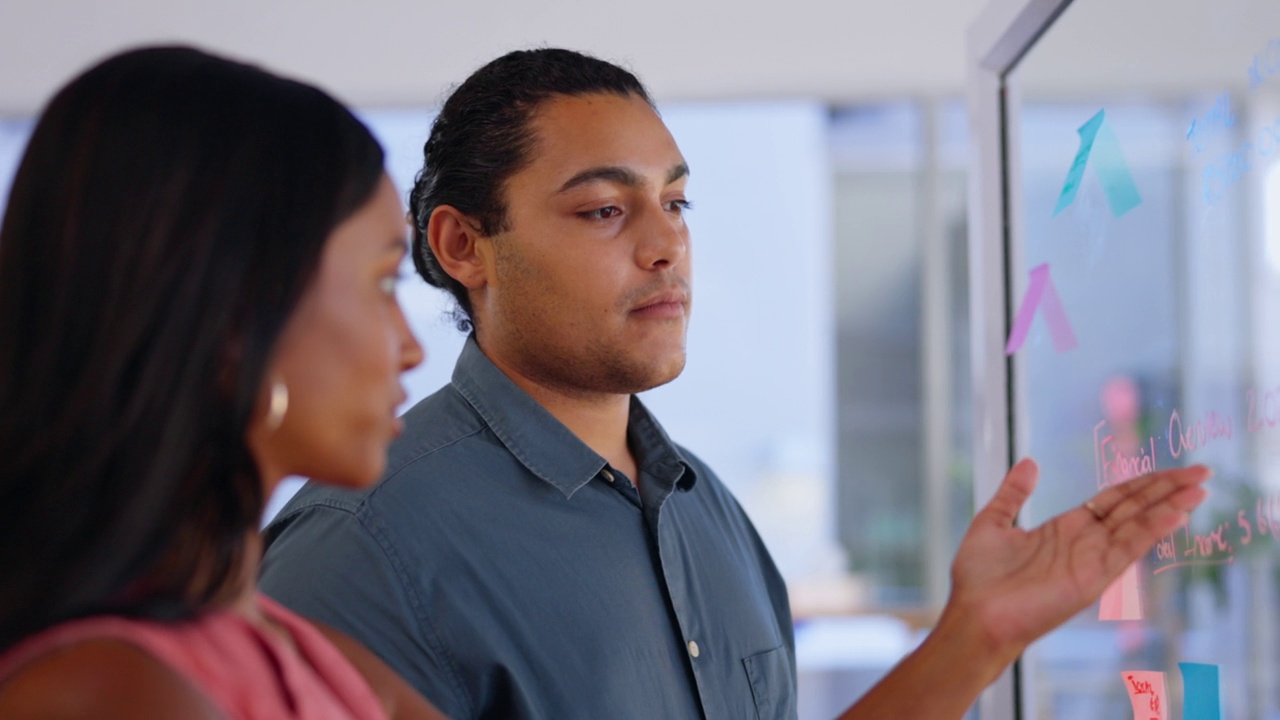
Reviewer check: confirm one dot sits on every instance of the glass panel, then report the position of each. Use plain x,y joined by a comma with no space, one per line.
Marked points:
1144,274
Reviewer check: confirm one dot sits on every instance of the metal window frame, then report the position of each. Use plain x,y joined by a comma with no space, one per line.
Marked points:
997,40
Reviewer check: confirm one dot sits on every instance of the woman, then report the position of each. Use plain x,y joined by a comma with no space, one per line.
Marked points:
197,298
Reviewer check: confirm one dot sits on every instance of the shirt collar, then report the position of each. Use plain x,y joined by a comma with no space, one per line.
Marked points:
542,443
659,456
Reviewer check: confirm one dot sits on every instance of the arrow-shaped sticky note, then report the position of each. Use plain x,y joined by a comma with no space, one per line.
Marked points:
1098,144
1200,699
1041,295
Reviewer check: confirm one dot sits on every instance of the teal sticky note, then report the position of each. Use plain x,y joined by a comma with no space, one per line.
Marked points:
1088,133
1200,697
1113,171
1098,143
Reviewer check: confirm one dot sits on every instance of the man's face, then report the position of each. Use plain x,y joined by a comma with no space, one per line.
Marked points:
590,289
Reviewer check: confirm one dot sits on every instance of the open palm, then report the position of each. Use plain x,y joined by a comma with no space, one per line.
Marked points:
1020,584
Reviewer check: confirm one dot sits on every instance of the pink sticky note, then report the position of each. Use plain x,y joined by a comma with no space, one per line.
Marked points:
1041,295
1146,694
1122,600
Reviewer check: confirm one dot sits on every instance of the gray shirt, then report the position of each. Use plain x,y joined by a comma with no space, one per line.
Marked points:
506,571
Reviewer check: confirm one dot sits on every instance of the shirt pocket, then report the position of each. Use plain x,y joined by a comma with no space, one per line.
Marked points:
772,684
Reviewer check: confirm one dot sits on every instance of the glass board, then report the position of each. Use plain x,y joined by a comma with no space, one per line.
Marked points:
1144,332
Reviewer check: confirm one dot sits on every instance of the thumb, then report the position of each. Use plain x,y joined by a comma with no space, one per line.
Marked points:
1002,510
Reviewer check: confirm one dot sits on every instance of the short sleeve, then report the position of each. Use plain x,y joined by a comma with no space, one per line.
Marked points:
335,567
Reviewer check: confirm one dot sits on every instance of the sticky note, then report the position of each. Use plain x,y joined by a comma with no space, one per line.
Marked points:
1200,699
1122,600
1098,143
1147,694
1041,294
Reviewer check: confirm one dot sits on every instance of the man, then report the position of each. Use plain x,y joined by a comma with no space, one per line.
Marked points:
538,547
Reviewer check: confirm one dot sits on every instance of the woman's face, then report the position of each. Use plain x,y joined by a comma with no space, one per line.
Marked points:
341,355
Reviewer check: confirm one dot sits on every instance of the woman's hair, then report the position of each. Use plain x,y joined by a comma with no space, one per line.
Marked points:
483,135
169,212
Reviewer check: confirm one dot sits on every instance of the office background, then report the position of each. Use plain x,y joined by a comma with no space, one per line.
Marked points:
827,378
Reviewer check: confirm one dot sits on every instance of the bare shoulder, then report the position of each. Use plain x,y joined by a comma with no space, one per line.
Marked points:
107,679
399,698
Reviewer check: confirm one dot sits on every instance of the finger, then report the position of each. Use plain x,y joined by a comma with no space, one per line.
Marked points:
1162,480
1004,506
1133,538
1147,498
1117,504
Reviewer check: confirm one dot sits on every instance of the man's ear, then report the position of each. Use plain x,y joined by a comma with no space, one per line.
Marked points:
464,253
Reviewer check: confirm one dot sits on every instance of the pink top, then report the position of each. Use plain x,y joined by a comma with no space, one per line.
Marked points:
246,672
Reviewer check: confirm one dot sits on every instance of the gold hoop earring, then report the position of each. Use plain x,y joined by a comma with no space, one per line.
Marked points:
278,406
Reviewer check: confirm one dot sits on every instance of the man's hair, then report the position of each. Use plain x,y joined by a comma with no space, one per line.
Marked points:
483,136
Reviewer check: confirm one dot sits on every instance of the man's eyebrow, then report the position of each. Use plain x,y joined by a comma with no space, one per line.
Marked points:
615,174
398,244
620,175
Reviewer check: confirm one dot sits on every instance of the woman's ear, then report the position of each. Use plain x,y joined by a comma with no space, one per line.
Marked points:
464,253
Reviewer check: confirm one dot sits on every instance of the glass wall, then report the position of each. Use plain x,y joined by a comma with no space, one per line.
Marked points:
1144,201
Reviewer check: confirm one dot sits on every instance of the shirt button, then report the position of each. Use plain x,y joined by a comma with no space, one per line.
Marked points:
608,476
693,649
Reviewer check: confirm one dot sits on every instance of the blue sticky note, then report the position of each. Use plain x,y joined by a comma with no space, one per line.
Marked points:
1200,700
1098,142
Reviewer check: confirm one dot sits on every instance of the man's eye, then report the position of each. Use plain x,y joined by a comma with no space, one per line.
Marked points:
605,213
679,207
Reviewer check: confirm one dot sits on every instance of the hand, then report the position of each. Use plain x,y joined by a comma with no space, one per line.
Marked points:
1019,584
1010,586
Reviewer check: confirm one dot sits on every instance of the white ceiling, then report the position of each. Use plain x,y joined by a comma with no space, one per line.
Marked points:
408,52
1156,48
